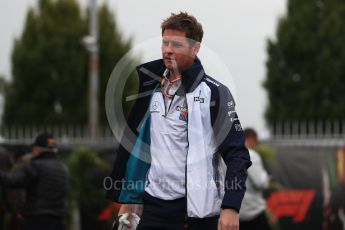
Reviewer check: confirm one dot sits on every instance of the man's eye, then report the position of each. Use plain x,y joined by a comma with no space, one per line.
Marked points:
177,44
165,43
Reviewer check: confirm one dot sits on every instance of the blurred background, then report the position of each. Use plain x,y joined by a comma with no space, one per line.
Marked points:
284,61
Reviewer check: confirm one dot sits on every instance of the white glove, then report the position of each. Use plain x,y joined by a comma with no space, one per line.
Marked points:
123,222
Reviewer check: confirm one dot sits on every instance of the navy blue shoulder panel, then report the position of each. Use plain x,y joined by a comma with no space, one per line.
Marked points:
230,141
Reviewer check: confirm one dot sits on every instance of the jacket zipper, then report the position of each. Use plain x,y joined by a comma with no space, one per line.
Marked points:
165,110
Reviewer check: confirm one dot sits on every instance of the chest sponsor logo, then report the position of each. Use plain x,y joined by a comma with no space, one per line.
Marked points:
200,99
155,107
183,112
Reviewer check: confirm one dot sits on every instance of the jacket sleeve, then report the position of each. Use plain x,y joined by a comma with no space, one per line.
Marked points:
20,179
230,139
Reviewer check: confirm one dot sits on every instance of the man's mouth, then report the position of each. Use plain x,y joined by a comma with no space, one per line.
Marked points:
169,59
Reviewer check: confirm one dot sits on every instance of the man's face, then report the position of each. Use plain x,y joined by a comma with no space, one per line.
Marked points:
177,52
251,142
36,151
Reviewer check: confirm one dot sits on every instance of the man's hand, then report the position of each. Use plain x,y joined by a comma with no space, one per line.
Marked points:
229,220
128,217
126,212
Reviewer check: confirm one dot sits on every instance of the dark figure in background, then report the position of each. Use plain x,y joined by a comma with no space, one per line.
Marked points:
45,180
13,199
5,164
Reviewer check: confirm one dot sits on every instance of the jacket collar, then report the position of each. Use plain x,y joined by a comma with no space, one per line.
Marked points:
191,77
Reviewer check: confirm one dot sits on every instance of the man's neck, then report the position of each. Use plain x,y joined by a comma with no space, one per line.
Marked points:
173,75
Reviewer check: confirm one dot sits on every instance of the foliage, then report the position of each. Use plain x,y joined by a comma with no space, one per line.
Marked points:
50,83
306,67
86,171
268,156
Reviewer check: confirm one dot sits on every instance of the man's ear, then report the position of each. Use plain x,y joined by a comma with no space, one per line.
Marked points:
196,48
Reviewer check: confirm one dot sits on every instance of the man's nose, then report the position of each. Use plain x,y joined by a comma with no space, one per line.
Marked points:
168,48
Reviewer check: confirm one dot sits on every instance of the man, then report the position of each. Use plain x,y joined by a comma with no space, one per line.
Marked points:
5,164
15,197
253,211
184,121
45,179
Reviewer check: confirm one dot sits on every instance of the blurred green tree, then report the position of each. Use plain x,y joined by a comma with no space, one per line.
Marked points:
3,84
306,67
112,49
50,65
87,172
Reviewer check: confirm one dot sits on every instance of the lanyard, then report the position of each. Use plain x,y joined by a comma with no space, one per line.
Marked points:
169,88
